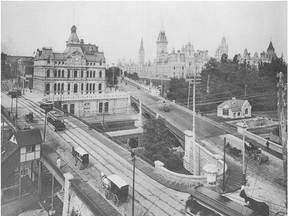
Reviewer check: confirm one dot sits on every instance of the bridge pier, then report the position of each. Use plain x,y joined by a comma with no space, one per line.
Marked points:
67,187
39,179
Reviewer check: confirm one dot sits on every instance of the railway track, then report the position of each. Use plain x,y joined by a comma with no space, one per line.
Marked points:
151,196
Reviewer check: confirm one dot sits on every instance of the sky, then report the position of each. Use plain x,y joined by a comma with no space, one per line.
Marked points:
117,27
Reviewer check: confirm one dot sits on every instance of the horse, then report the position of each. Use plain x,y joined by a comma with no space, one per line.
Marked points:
260,207
105,180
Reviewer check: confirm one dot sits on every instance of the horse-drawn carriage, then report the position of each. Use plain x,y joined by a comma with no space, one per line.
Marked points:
115,188
81,157
256,153
29,117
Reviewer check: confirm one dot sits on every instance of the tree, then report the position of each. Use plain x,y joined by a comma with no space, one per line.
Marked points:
158,142
178,89
110,73
224,58
133,76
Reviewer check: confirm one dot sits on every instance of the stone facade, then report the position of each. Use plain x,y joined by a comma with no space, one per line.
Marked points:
76,78
182,63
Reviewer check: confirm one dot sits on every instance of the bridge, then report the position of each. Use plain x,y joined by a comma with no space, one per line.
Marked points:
94,202
149,113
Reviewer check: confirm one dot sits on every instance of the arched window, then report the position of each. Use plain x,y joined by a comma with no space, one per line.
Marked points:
48,73
65,107
75,88
100,73
59,88
87,86
62,88
68,88
90,87
90,73
82,73
94,73
72,108
93,87
246,111
100,107
100,88
106,106
75,73
87,73
59,73
47,88
82,86
68,73
62,73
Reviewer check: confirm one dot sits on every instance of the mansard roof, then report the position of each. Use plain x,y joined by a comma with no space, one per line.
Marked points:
162,37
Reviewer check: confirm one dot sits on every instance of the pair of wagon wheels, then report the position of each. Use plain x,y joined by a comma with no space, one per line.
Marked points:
112,196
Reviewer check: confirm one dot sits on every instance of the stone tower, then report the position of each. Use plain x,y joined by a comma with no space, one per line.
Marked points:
141,54
271,52
161,44
224,46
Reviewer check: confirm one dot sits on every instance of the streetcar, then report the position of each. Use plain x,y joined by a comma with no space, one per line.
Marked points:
206,202
56,121
81,157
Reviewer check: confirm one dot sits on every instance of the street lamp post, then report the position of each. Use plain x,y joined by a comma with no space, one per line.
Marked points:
133,159
47,109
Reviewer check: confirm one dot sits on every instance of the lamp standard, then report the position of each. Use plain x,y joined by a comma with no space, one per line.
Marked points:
133,159
47,108
113,72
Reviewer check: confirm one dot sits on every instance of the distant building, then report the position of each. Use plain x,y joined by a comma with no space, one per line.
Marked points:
234,109
255,60
18,67
222,49
26,72
181,64
76,79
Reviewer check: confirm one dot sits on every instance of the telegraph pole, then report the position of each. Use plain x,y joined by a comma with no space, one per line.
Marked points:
282,113
193,129
189,83
224,165
208,89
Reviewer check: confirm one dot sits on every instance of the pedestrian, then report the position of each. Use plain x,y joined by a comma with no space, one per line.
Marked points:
58,162
267,144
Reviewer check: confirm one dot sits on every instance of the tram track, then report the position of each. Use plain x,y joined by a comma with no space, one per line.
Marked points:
148,196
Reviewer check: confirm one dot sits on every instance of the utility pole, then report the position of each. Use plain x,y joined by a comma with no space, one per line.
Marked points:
113,73
224,159
282,113
243,157
133,197
16,115
208,89
53,78
193,129
245,91
189,83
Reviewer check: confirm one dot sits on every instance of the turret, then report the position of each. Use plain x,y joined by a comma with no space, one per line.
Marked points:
141,54
161,44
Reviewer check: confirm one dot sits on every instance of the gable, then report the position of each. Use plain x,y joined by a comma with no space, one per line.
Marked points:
13,139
